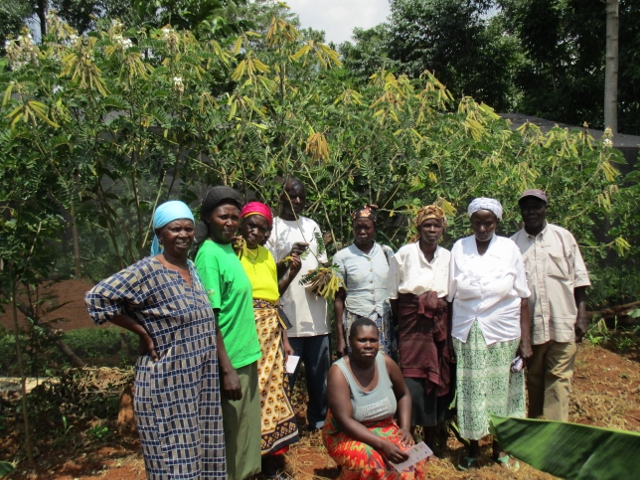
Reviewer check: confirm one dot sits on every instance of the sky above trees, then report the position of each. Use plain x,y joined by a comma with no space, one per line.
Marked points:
338,18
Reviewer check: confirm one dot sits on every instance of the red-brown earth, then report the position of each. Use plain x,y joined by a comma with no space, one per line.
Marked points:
606,393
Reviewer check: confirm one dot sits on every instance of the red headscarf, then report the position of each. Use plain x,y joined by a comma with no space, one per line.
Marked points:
257,208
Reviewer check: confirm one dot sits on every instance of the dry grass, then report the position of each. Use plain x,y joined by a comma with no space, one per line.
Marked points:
606,393
308,460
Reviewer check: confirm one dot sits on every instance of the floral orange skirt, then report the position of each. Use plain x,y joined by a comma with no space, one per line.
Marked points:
361,461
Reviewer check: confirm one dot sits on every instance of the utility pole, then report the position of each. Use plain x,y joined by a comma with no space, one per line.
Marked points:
611,67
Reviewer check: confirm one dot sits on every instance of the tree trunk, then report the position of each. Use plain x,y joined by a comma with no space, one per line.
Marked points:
76,243
23,376
611,67
41,11
618,312
62,346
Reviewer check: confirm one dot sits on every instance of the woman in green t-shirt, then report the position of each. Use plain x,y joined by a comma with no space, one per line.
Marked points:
279,429
229,291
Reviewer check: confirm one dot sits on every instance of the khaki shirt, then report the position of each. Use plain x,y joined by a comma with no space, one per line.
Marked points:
554,269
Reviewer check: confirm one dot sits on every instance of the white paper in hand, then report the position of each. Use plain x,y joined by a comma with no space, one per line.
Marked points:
292,363
418,452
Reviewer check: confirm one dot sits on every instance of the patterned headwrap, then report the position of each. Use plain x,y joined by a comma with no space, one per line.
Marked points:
483,203
425,213
368,211
257,208
165,214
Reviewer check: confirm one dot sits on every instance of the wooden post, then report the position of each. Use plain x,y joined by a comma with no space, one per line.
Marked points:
611,67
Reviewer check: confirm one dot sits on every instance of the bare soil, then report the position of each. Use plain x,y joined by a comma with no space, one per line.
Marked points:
65,303
606,393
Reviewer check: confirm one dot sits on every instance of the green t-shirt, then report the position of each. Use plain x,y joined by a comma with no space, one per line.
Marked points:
229,291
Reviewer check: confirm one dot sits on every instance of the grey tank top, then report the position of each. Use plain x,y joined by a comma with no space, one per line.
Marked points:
377,404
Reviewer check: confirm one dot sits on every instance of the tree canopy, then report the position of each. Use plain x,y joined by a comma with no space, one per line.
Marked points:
541,57
103,127
98,128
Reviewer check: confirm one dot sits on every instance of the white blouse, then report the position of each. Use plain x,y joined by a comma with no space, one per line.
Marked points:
409,271
487,288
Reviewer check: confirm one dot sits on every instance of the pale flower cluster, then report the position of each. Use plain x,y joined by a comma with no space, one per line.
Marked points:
607,138
122,42
115,32
60,30
21,51
170,36
178,85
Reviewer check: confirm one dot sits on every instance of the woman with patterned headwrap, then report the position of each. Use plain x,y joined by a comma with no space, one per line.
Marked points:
490,326
177,390
278,427
364,266
418,286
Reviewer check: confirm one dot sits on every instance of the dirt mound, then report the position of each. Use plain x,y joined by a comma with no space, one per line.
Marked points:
65,303
606,390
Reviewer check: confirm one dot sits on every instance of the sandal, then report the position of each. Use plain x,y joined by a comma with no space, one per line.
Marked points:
508,462
279,475
468,463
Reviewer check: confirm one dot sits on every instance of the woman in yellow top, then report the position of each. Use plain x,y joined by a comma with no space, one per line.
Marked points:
278,427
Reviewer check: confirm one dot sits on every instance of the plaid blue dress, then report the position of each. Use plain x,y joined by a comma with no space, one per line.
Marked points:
177,399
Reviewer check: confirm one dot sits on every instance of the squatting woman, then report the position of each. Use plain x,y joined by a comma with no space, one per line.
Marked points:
365,392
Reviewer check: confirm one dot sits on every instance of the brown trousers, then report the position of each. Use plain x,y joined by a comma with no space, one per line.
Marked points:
549,376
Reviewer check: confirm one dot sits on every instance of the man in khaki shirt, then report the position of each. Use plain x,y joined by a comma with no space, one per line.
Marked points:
557,278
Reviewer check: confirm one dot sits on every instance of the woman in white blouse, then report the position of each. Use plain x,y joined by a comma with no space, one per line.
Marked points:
490,328
418,285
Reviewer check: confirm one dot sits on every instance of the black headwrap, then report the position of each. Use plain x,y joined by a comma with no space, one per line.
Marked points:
213,198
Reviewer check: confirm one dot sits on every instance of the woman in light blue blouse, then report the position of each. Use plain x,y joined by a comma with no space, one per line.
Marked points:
364,266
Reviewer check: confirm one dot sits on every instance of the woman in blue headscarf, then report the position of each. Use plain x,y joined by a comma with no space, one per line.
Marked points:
177,392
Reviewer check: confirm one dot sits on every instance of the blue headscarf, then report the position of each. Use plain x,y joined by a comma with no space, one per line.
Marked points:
167,213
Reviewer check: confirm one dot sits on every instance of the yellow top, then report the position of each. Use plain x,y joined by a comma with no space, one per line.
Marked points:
260,267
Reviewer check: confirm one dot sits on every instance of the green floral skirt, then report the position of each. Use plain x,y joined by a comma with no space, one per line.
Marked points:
485,383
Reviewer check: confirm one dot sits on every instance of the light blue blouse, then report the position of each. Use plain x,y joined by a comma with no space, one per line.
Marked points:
365,276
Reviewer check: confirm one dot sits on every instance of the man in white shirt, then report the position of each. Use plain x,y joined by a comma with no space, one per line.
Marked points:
293,233
558,278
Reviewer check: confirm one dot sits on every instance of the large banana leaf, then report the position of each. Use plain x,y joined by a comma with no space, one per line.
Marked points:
570,450
6,468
